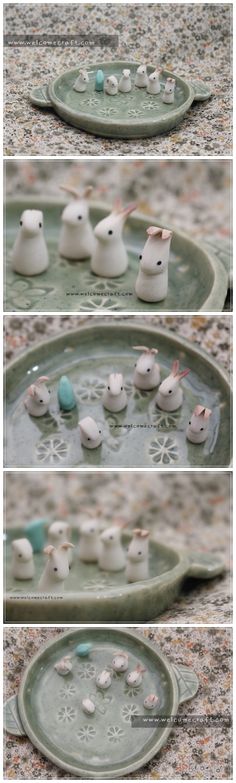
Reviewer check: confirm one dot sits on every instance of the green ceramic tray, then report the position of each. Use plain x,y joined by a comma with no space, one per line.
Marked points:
139,436
137,115
103,746
198,278
100,596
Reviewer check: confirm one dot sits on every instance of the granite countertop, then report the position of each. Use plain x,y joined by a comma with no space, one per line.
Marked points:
190,511
212,333
189,754
193,40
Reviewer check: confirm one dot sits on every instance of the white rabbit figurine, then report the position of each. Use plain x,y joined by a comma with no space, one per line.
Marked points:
89,541
115,397
152,280
59,533
111,85
110,258
137,559
120,662
81,82
151,701
170,395
141,77
168,95
135,677
56,570
90,434
147,372
38,397
22,566
64,666
112,555
29,254
103,680
76,241
125,81
198,426
88,706
154,87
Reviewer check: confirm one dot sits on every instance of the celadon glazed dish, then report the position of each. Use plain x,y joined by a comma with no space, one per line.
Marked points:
92,595
142,435
104,745
198,276
124,116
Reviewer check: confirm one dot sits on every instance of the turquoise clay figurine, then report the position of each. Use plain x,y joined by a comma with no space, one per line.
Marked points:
83,649
99,81
35,532
66,397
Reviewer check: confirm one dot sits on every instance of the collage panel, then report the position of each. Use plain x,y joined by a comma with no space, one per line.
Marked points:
71,726
146,547
93,236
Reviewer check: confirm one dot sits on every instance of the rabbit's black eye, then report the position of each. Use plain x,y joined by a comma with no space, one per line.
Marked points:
121,388
88,438
201,429
108,388
139,553
110,232
100,432
170,391
148,369
21,222
60,531
40,225
111,538
159,263
55,569
79,217
189,422
40,400
140,257
19,555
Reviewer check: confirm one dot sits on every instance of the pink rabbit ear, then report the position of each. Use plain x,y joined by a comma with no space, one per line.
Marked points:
72,191
48,550
154,350
199,410
154,231
67,545
87,191
42,379
117,206
31,390
184,373
166,234
127,210
120,522
175,367
141,348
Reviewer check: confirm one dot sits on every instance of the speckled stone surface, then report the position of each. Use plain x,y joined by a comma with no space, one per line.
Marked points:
213,334
190,511
190,754
192,39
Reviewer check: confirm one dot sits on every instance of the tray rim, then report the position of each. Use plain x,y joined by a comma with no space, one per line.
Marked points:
220,276
130,767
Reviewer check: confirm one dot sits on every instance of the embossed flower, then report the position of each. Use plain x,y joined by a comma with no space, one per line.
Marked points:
87,733
135,112
97,584
66,715
52,450
91,389
108,111
90,101
23,295
127,712
165,420
149,105
86,671
131,691
163,450
115,734
101,700
100,303
67,691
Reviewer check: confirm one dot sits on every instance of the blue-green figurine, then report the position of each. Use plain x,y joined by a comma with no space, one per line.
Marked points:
66,396
99,81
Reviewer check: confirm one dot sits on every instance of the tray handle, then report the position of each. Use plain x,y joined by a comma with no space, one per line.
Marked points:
201,91
204,566
39,97
11,718
187,682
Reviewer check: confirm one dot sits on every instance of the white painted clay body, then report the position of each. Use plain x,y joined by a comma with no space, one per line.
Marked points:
88,706
103,680
111,85
135,677
89,541
112,556
147,372
22,566
198,427
90,434
141,77
120,662
59,533
64,666
56,570
170,395
29,254
154,87
151,701
152,280
81,82
137,559
76,241
110,257
115,397
125,81
169,91
37,397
